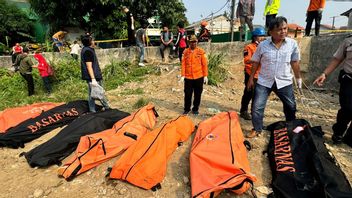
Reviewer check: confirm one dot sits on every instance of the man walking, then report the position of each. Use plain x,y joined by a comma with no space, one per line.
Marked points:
258,35
140,40
91,71
276,55
271,10
314,12
25,62
166,39
245,12
343,57
130,25
194,72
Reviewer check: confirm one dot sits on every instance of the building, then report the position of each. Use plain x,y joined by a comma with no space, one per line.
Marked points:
295,31
348,14
217,25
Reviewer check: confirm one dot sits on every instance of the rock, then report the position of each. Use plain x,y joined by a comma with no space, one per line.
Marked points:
264,190
38,193
213,110
122,191
185,180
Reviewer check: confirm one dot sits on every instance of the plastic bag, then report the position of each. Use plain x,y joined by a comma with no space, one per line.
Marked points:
97,92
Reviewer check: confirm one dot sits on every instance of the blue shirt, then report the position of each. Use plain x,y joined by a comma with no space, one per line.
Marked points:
275,62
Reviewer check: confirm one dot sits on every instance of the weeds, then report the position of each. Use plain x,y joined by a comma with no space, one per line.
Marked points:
141,102
217,74
137,91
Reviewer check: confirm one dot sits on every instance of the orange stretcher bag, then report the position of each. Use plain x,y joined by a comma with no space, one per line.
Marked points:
97,148
13,116
218,157
144,163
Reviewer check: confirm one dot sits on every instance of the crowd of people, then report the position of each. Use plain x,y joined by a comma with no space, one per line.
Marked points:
268,61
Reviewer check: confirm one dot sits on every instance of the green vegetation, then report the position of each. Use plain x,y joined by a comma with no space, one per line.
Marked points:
137,91
66,83
217,73
141,102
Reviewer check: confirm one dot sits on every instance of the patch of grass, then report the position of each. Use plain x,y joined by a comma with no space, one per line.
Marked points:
217,73
141,102
67,84
137,91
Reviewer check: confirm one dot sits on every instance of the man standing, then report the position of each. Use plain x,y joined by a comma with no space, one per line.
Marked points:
245,12
75,50
344,115
194,72
258,35
26,64
166,38
276,55
181,41
16,50
130,25
140,40
314,12
91,71
204,34
271,10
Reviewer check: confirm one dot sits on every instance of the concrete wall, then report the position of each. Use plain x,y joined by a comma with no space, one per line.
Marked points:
316,52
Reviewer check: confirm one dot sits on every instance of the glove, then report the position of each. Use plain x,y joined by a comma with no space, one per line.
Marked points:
206,80
182,79
174,48
94,82
299,83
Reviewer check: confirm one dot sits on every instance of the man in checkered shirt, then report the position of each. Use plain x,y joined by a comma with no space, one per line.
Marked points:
276,55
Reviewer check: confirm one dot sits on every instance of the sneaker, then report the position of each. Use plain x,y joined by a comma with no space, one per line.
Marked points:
336,139
252,134
141,64
185,112
245,115
195,112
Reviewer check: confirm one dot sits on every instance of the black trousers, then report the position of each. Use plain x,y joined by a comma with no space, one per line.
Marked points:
180,53
46,81
30,83
268,19
196,87
131,37
344,115
163,47
313,15
247,94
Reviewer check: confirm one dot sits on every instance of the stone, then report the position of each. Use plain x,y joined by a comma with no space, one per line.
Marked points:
185,180
38,193
122,191
264,190
213,110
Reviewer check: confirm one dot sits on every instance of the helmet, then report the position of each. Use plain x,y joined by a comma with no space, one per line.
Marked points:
204,23
260,31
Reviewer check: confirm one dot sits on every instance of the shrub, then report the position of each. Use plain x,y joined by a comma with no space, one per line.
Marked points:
217,74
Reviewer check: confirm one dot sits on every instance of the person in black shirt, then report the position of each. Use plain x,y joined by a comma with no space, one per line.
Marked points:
130,25
91,71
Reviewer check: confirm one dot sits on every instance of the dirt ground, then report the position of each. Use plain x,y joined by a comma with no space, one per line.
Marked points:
19,180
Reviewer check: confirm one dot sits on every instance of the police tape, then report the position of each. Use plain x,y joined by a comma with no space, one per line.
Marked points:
337,31
111,40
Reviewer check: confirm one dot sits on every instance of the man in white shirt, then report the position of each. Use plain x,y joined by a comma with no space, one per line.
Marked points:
75,50
276,55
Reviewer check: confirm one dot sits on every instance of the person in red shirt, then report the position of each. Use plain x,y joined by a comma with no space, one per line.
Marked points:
314,12
258,35
43,68
181,41
16,50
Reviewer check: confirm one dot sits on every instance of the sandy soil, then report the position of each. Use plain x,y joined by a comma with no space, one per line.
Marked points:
19,180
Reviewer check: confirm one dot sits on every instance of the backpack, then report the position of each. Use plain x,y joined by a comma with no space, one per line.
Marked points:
218,157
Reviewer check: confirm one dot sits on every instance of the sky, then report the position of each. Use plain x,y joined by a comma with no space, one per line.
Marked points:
293,10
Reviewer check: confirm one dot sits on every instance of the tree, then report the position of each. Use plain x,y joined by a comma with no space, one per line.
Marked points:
105,17
14,23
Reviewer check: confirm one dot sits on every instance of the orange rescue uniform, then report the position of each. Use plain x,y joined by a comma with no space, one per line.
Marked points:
316,4
194,64
248,53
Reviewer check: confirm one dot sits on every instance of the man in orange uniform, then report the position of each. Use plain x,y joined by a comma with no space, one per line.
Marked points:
194,73
314,12
258,35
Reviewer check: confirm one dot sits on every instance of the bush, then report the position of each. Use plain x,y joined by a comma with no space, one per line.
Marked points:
217,74
141,103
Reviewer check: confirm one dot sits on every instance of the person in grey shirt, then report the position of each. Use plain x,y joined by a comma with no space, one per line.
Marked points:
140,41
276,55
343,57
245,12
166,39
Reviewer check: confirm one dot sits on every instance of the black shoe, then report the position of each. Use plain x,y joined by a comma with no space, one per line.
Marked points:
336,139
195,112
245,115
185,112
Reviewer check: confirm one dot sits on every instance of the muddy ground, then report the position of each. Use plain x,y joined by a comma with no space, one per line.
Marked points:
19,180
